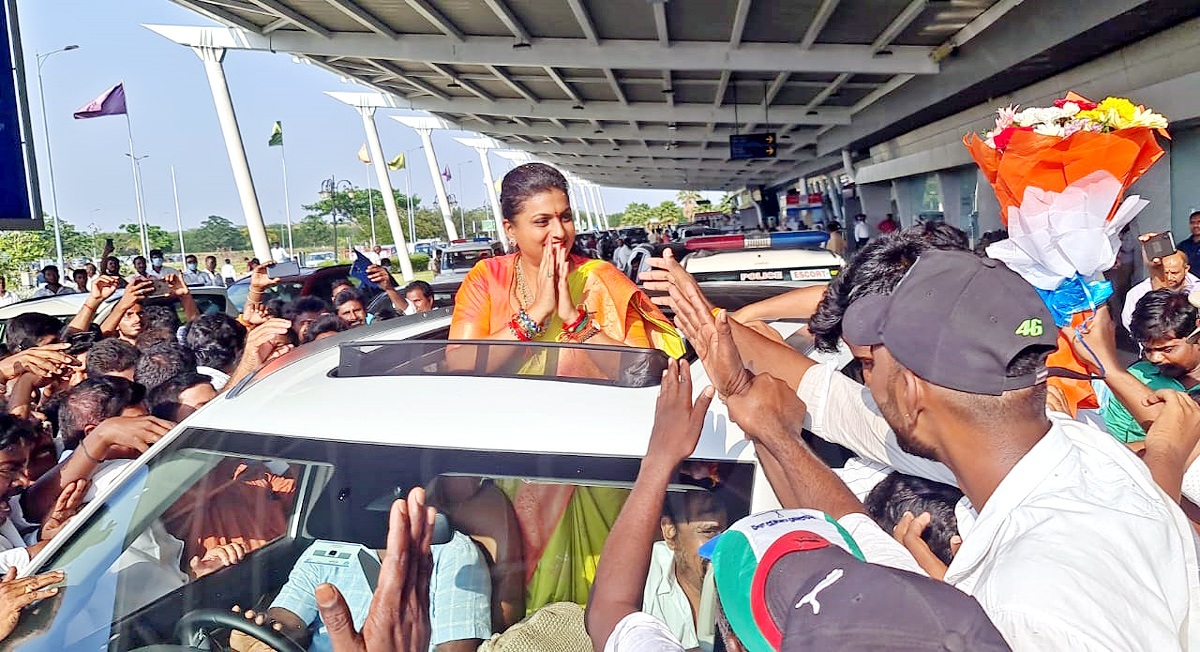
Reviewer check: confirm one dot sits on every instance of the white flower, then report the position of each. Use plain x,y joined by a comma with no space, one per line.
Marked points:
1069,109
1040,115
1050,130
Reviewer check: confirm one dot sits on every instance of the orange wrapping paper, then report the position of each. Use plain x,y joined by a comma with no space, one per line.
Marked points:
1052,163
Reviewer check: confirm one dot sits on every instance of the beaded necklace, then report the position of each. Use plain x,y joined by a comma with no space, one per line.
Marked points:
523,299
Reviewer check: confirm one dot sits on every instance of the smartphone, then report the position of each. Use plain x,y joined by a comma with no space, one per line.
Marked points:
280,270
161,288
1160,246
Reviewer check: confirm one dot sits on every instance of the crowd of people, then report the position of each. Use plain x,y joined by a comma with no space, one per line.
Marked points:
974,511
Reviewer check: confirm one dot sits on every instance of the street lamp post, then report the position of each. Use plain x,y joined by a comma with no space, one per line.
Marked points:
41,59
329,188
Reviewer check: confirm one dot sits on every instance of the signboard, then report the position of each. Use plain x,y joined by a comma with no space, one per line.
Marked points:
20,207
489,225
749,146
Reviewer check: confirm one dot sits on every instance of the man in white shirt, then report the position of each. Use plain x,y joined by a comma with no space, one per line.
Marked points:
157,268
375,255
6,298
952,361
52,287
1172,273
228,272
622,255
862,232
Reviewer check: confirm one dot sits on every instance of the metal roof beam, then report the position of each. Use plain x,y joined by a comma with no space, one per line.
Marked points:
219,14
509,19
569,53
364,17
616,86
513,84
614,111
392,70
679,135
294,17
660,22
722,87
739,23
466,85
585,21
435,18
899,24
824,12
566,88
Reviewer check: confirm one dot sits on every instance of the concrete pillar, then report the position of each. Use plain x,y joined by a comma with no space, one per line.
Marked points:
600,196
986,205
593,210
492,196
385,187
601,218
212,58
438,183
876,201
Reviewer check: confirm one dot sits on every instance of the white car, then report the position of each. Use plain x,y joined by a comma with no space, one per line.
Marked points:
457,258
792,259
351,422
318,257
64,306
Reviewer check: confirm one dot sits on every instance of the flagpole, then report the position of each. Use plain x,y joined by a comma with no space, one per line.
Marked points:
137,184
178,219
287,206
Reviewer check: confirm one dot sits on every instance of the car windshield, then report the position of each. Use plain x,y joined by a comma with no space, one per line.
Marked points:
305,512
463,259
605,365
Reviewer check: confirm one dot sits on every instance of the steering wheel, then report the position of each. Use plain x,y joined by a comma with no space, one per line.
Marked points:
195,621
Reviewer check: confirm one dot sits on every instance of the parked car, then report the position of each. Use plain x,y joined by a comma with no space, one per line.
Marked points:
458,257
318,257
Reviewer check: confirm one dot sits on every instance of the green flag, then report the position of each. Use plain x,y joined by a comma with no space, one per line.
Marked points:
396,163
276,135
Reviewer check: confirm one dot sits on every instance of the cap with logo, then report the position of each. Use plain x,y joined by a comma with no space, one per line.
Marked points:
957,320
795,580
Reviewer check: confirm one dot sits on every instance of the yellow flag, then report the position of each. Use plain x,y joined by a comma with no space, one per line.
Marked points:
396,163
363,156
497,183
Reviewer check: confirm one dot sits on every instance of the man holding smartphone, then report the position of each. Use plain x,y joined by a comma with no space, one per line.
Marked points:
1168,271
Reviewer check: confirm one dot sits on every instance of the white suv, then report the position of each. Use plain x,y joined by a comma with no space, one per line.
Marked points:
340,427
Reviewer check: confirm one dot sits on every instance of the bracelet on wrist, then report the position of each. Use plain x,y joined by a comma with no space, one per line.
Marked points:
83,447
524,327
578,325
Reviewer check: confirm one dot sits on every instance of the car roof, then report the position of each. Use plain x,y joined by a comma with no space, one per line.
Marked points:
501,413
468,246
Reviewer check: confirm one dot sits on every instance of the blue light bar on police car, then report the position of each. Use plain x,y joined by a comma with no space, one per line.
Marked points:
790,239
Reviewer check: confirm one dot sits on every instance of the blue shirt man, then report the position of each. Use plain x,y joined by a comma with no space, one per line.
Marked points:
460,590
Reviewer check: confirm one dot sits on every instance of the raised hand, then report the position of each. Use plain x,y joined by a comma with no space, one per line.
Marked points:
260,278
255,314
45,361
16,594
104,287
767,410
677,421
1097,347
137,288
69,502
262,342
178,287
218,558
1177,427
543,286
399,617
379,276
124,437
712,337
666,274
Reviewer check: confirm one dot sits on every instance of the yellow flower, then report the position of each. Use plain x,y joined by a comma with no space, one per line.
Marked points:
1113,112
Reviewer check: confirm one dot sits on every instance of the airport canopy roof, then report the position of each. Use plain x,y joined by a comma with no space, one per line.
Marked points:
645,93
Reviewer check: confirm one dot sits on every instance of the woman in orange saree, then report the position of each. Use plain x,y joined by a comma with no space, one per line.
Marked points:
542,293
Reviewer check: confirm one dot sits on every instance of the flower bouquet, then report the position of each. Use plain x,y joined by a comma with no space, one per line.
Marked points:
1059,174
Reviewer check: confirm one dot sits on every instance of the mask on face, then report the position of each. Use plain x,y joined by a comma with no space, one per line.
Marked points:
192,267
157,262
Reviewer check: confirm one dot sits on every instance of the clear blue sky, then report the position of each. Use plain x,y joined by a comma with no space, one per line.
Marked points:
175,124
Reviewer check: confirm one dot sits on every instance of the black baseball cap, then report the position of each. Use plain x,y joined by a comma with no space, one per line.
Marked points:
829,600
957,320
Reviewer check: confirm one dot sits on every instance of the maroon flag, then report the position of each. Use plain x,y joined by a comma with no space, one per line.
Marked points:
110,102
